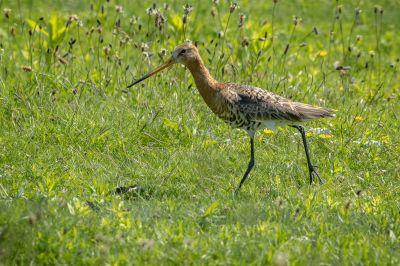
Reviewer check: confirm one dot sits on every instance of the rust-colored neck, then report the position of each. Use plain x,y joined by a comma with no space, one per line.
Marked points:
200,73
205,83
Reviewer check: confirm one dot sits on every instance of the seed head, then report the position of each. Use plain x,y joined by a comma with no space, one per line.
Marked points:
27,68
73,17
13,31
378,9
71,42
245,42
62,60
159,20
7,12
337,65
147,54
144,46
132,20
187,9
233,7
372,54
118,23
212,12
242,18
151,11
119,9
296,20
286,49
107,49
339,9
162,52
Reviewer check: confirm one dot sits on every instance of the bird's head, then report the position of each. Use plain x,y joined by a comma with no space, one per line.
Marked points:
185,54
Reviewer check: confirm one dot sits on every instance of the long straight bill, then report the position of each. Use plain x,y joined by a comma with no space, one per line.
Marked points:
155,71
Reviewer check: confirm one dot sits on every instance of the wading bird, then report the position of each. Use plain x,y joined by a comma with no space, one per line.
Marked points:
243,106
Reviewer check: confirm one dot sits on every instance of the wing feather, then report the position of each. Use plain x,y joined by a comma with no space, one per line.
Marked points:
260,105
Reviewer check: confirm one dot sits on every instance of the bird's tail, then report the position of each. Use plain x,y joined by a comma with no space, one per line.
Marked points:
310,112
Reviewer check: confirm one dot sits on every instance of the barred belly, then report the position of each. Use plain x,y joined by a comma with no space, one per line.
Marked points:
238,121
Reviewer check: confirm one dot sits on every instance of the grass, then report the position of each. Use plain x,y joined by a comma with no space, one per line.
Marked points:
71,134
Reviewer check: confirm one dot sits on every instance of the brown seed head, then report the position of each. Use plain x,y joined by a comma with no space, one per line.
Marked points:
107,49
7,12
27,68
119,9
62,60
13,31
187,9
159,20
233,7
212,12
242,18
339,9
297,20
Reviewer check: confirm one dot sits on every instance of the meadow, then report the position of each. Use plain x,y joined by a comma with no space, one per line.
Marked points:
92,173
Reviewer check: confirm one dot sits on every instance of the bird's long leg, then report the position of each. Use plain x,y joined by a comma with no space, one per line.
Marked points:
250,166
311,167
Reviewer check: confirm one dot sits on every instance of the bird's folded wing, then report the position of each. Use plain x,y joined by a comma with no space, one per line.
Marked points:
260,105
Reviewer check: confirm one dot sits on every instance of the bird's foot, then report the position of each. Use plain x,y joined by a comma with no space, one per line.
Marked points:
312,171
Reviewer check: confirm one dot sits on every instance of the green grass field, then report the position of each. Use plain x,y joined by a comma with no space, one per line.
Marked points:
71,134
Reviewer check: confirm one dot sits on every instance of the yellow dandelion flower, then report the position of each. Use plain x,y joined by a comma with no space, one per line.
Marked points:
359,118
210,142
309,134
105,222
323,53
268,131
325,136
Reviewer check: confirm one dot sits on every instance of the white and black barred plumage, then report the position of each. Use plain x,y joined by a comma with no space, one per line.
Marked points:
252,108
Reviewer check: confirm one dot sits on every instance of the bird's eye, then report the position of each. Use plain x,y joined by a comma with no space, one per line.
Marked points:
183,51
